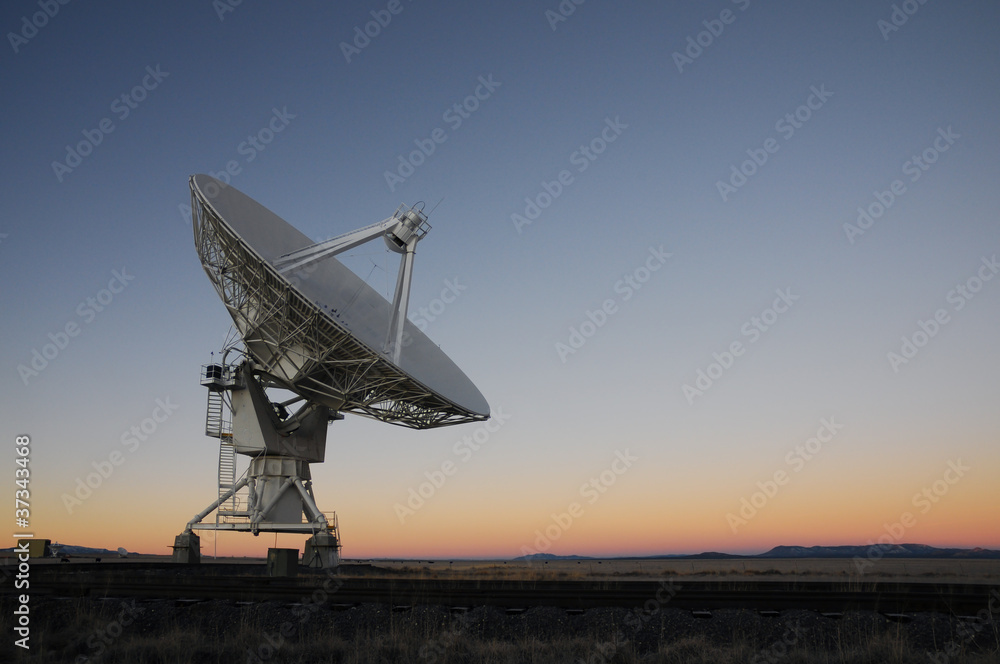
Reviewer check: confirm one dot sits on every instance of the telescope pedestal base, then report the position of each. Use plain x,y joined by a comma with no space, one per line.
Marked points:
187,548
322,551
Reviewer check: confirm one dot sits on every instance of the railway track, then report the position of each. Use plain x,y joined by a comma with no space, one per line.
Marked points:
345,590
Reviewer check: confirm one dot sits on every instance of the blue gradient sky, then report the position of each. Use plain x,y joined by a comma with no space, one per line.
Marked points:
526,286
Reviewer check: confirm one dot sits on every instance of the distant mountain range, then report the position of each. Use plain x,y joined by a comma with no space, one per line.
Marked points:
887,551
863,551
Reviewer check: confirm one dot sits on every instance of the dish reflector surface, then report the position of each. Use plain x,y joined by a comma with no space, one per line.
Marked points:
319,331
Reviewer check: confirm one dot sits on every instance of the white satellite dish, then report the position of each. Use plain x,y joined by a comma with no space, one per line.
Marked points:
310,326
122,552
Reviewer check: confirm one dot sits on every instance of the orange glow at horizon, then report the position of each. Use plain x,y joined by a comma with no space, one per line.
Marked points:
629,519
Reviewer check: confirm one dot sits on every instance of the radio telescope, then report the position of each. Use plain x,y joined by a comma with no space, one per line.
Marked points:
315,333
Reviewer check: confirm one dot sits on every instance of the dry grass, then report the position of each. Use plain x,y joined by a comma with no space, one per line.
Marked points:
181,647
833,569
826,569
223,632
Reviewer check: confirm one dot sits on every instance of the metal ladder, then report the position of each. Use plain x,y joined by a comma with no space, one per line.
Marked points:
218,424
227,469
215,420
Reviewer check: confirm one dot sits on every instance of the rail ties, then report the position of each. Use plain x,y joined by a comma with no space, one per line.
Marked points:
899,617
187,601
188,586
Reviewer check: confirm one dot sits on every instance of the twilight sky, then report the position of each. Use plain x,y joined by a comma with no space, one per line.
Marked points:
724,270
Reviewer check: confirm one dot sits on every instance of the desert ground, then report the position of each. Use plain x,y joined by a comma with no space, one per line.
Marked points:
940,570
818,569
164,631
